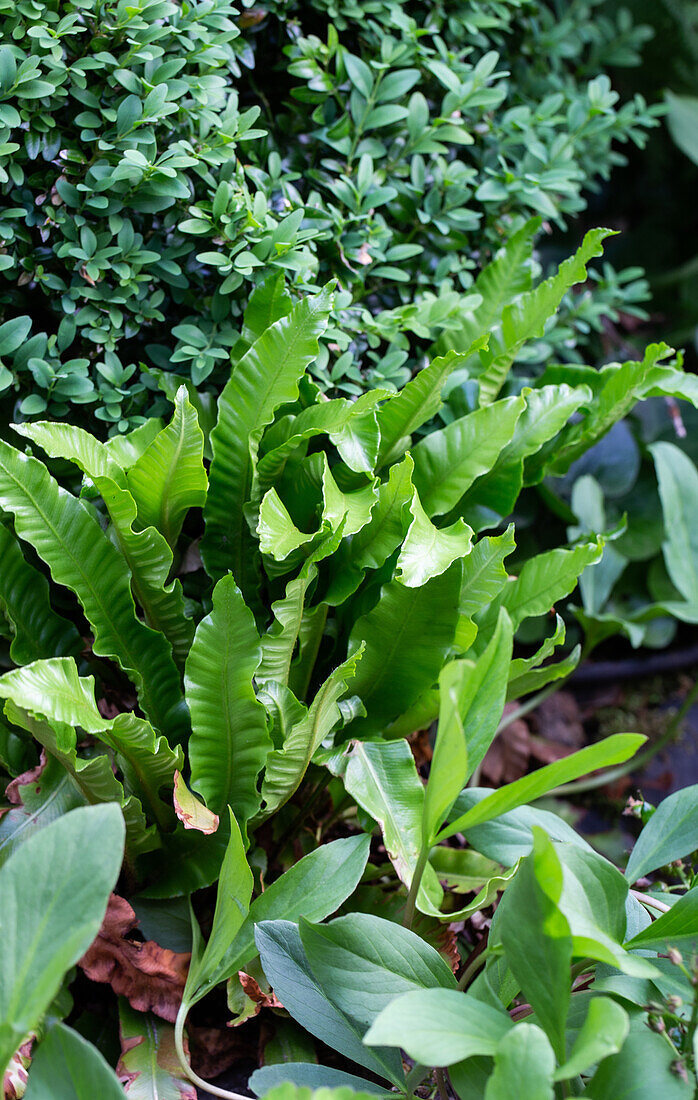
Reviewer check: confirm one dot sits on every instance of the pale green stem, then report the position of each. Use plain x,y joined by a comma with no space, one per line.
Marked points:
411,902
184,1061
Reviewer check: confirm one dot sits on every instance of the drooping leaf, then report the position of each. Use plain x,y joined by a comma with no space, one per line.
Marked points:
428,551
229,743
363,962
372,546
265,377
59,879
670,833
39,798
80,556
66,1067
169,477
438,1027
287,969
676,928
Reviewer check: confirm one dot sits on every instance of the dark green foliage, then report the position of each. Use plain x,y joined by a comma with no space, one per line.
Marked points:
160,158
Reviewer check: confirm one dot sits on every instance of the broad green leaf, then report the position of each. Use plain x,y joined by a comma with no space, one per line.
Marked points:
418,401
302,1077
232,907
24,598
428,551
169,477
287,970
348,511
81,557
526,316
676,928
612,750
617,387
229,742
66,1067
438,1027
593,900
595,585
312,888
269,302
670,833
147,553
537,678
407,637
682,120
536,938
149,1065
364,962
54,691
127,449
447,462
678,489
643,1067
524,1064
55,889
287,766
471,704
508,275
266,377
382,778
508,837
547,410
603,1033
543,580
372,546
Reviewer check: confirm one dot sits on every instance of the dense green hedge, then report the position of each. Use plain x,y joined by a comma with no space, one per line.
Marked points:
157,158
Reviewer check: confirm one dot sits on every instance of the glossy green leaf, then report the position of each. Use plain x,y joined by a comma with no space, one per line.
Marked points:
169,477
269,302
382,778
538,949
428,551
288,971
373,544
66,1067
24,598
438,1027
58,881
670,833
418,401
612,750
265,377
149,1065
447,462
364,961
407,636
147,553
524,1065
39,798
526,316
69,539
229,743
603,1033
287,766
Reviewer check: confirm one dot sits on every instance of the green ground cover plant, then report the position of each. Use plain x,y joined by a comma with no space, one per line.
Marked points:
210,627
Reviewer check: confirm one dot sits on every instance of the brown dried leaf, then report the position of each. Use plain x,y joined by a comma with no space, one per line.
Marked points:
12,793
508,755
214,1049
149,976
558,719
16,1075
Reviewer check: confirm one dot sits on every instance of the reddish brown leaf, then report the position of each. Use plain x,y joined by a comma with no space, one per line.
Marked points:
16,1075
149,976
12,793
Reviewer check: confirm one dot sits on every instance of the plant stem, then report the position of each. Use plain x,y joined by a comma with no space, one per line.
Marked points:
441,1083
476,961
653,903
414,886
184,1061
415,1077
529,705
